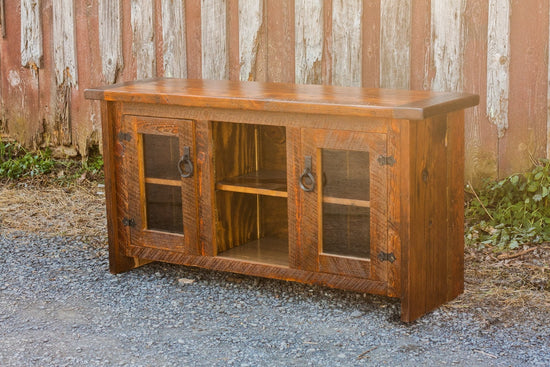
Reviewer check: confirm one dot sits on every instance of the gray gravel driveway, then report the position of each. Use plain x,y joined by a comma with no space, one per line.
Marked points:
59,306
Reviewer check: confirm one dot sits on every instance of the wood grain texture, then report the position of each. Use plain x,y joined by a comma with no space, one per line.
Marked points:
498,64
346,42
252,40
214,39
110,39
205,188
480,135
371,43
280,41
309,38
447,44
143,35
395,33
420,49
193,21
31,34
65,58
174,39
526,134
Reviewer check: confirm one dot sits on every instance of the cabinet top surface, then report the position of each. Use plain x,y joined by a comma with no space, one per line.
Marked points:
278,97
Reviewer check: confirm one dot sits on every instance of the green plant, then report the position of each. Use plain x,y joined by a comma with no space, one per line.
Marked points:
512,211
17,162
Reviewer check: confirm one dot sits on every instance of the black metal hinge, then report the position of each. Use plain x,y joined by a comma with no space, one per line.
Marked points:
128,222
385,256
122,136
386,160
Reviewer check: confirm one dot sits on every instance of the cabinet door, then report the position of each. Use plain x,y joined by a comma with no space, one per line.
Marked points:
344,202
162,199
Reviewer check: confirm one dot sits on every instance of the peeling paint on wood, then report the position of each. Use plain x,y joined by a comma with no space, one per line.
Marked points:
214,39
31,34
309,41
548,99
143,38
447,43
64,51
173,35
498,64
110,39
395,34
251,27
346,42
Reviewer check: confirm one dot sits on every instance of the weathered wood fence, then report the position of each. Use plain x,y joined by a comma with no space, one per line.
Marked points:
51,50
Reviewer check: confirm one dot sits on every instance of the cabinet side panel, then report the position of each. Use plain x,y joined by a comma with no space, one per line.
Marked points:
398,196
427,249
115,188
455,204
294,196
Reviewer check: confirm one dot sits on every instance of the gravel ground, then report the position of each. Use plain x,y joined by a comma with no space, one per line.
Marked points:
59,306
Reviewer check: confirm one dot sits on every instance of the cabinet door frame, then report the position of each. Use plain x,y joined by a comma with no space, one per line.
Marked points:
140,236
313,141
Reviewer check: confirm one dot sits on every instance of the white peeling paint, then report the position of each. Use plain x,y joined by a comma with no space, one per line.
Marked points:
395,36
214,41
447,41
250,28
498,64
173,35
142,14
31,34
110,39
14,79
64,46
346,42
309,38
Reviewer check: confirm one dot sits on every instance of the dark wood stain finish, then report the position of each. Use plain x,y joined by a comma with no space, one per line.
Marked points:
245,210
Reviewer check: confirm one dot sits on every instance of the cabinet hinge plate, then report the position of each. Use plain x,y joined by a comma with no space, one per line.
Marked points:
386,160
122,136
128,222
386,256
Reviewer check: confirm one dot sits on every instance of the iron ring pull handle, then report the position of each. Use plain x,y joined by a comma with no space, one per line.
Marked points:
185,164
307,180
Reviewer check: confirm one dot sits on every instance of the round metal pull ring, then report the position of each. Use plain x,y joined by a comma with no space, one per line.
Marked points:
307,181
185,165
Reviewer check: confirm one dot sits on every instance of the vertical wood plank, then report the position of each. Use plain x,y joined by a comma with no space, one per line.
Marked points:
280,41
142,15
447,20
214,39
371,43
193,40
309,41
480,135
420,49
498,64
46,82
526,135
173,36
251,40
20,101
129,70
326,64
64,43
110,39
346,42
395,33
31,34
233,56
2,19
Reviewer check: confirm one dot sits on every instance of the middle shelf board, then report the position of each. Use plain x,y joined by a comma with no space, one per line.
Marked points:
267,250
263,182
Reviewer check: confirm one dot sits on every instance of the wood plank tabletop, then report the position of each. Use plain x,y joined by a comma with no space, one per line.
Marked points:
280,97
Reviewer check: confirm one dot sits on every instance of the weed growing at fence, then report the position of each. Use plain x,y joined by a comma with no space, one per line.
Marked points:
16,162
511,212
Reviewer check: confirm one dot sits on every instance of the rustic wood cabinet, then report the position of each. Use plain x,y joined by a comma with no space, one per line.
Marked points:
359,189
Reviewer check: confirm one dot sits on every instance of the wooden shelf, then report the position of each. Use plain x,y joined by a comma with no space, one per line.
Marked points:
266,250
349,202
162,181
263,182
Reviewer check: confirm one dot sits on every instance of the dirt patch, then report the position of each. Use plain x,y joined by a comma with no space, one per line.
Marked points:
498,288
